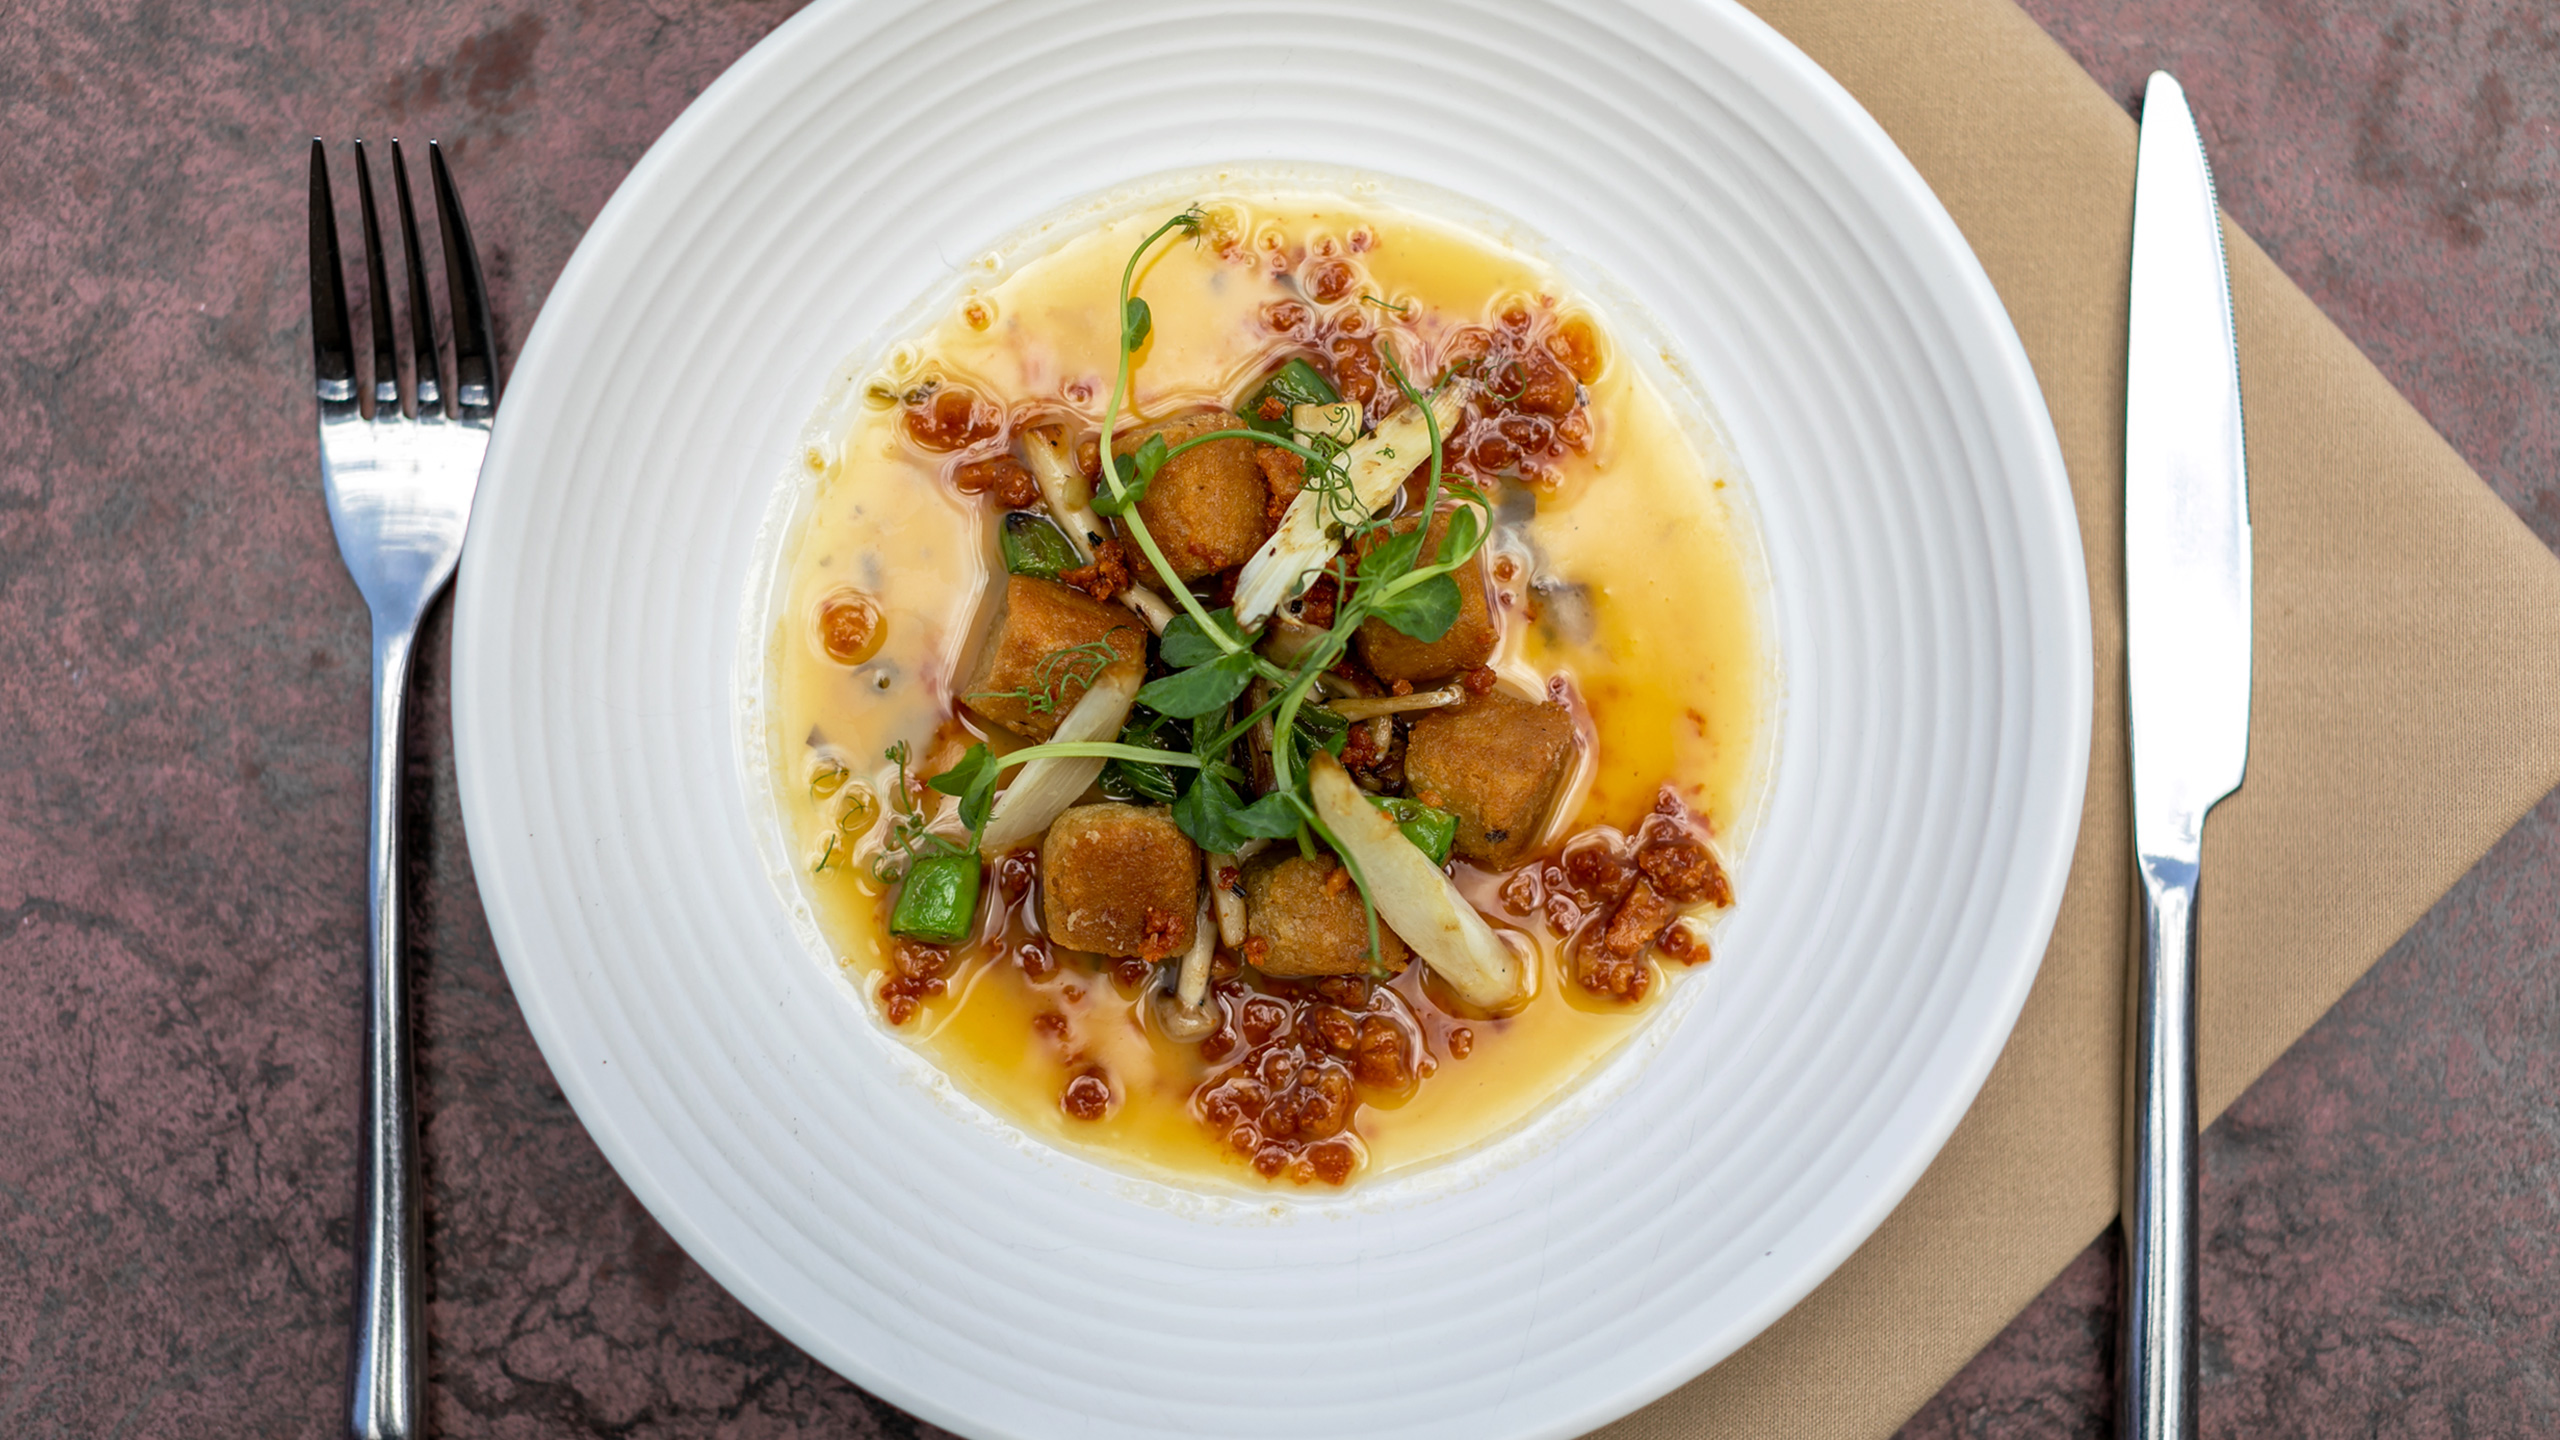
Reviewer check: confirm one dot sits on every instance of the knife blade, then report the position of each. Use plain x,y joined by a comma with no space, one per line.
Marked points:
2187,649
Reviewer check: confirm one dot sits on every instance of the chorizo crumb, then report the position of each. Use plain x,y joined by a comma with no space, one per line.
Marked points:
1088,1096
1332,1161
1381,1058
952,417
1165,933
1521,892
1015,872
1480,680
1107,576
1335,1027
915,976
1316,606
1685,870
1330,280
1598,870
1638,919
1351,992
1263,1018
1284,472
1683,943
1602,973
1563,916
1315,1105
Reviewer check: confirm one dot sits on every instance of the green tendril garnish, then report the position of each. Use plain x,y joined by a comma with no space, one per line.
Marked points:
1076,665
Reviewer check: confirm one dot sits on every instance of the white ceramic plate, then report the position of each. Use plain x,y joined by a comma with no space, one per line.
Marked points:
1929,610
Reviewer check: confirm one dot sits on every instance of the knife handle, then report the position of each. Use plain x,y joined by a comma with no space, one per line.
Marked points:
2157,1399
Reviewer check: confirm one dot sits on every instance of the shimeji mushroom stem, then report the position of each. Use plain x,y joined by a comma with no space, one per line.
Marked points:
1183,1012
1050,469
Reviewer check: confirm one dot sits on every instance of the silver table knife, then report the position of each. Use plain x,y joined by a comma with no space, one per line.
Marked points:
2186,574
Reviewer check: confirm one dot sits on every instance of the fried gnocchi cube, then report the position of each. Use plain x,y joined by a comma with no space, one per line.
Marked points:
1119,880
1207,507
1495,762
1392,655
1308,920
1039,655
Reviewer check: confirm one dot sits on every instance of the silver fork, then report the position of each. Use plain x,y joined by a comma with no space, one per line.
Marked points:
399,488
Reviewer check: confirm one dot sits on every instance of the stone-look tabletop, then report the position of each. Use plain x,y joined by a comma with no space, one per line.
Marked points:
183,731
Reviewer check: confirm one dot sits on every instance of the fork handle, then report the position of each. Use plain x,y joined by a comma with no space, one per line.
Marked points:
384,1405
2157,1400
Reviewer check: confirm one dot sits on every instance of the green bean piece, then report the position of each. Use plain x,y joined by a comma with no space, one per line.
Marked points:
1431,831
1295,383
1033,546
939,901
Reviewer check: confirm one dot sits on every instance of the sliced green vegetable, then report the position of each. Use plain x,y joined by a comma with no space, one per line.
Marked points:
1431,831
939,901
1293,384
1033,546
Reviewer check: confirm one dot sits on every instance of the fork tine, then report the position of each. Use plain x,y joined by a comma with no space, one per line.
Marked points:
333,360
422,314
386,353
475,360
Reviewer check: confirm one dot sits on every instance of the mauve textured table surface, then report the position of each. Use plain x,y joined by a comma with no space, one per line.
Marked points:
182,756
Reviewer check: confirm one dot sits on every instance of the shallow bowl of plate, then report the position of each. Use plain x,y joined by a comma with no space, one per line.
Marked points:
1927,604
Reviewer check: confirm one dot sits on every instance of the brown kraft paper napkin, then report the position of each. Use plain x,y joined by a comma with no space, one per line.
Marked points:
2406,712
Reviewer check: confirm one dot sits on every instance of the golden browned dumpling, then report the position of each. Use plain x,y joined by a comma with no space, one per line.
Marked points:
1494,762
1209,507
1393,655
1308,916
1041,619
1119,880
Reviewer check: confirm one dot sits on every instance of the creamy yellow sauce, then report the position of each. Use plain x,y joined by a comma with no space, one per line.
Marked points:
1644,599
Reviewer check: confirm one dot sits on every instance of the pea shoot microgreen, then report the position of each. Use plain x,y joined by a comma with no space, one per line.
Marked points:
1076,665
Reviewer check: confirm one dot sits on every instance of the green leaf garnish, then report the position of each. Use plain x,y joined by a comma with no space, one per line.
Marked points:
1130,780
1201,688
1185,644
974,781
1206,813
1425,611
1145,461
